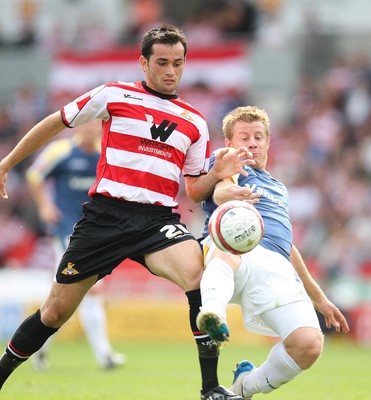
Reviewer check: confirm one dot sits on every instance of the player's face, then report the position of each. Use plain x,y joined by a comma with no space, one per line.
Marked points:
251,135
164,68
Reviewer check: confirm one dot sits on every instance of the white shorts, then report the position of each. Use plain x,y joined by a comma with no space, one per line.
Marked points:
285,319
272,296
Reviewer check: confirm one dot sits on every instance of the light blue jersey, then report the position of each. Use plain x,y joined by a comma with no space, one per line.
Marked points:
277,227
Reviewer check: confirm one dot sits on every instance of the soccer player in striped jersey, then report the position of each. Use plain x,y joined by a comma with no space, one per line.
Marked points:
271,283
59,180
150,137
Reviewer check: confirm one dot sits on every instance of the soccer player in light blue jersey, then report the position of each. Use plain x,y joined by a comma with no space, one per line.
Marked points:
277,294
59,181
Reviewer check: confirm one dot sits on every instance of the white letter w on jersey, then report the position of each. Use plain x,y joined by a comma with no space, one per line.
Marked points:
162,131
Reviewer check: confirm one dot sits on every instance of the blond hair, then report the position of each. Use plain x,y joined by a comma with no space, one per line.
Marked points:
246,114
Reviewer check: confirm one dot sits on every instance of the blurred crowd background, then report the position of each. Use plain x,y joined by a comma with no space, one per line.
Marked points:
308,63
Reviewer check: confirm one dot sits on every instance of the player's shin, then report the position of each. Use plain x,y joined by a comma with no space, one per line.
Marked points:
208,351
278,369
217,286
29,337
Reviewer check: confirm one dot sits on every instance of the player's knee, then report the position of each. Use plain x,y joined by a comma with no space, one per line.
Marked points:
193,279
312,348
53,317
305,347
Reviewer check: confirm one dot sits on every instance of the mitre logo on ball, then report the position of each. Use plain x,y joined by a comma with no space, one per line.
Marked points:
236,227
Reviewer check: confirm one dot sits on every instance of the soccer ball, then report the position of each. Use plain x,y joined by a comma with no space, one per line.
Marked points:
236,227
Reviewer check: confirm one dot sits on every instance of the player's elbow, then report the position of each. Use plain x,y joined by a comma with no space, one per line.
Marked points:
195,195
198,193
196,190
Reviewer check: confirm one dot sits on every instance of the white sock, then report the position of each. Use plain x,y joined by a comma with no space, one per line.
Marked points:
278,369
217,286
94,323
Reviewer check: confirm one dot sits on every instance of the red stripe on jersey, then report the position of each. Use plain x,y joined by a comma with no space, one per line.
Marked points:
149,147
142,179
126,110
208,150
81,102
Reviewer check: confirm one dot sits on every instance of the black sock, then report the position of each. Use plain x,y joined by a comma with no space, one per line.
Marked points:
28,338
208,351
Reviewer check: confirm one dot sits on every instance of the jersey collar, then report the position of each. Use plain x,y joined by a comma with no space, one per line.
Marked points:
158,94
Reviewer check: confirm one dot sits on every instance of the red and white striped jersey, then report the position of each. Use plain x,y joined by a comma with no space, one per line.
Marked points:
148,140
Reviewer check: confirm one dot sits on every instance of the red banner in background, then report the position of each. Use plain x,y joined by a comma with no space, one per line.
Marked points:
73,73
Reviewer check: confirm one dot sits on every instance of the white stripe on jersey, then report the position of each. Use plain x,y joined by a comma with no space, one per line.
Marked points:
130,193
133,161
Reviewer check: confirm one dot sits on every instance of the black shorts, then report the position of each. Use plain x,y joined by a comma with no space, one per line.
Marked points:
112,230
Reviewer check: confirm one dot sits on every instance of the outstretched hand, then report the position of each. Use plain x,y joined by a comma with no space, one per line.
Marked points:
333,316
224,193
229,162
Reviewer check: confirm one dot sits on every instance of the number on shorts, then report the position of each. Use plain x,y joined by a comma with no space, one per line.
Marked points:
171,231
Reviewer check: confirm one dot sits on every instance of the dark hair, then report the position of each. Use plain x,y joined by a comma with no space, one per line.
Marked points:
164,34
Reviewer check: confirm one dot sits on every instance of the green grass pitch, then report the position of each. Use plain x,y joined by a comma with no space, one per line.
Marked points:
159,371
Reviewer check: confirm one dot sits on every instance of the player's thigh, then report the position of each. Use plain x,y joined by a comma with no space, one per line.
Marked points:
286,319
181,263
62,301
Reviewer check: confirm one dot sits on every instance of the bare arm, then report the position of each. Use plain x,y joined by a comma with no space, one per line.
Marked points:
226,165
332,314
38,136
